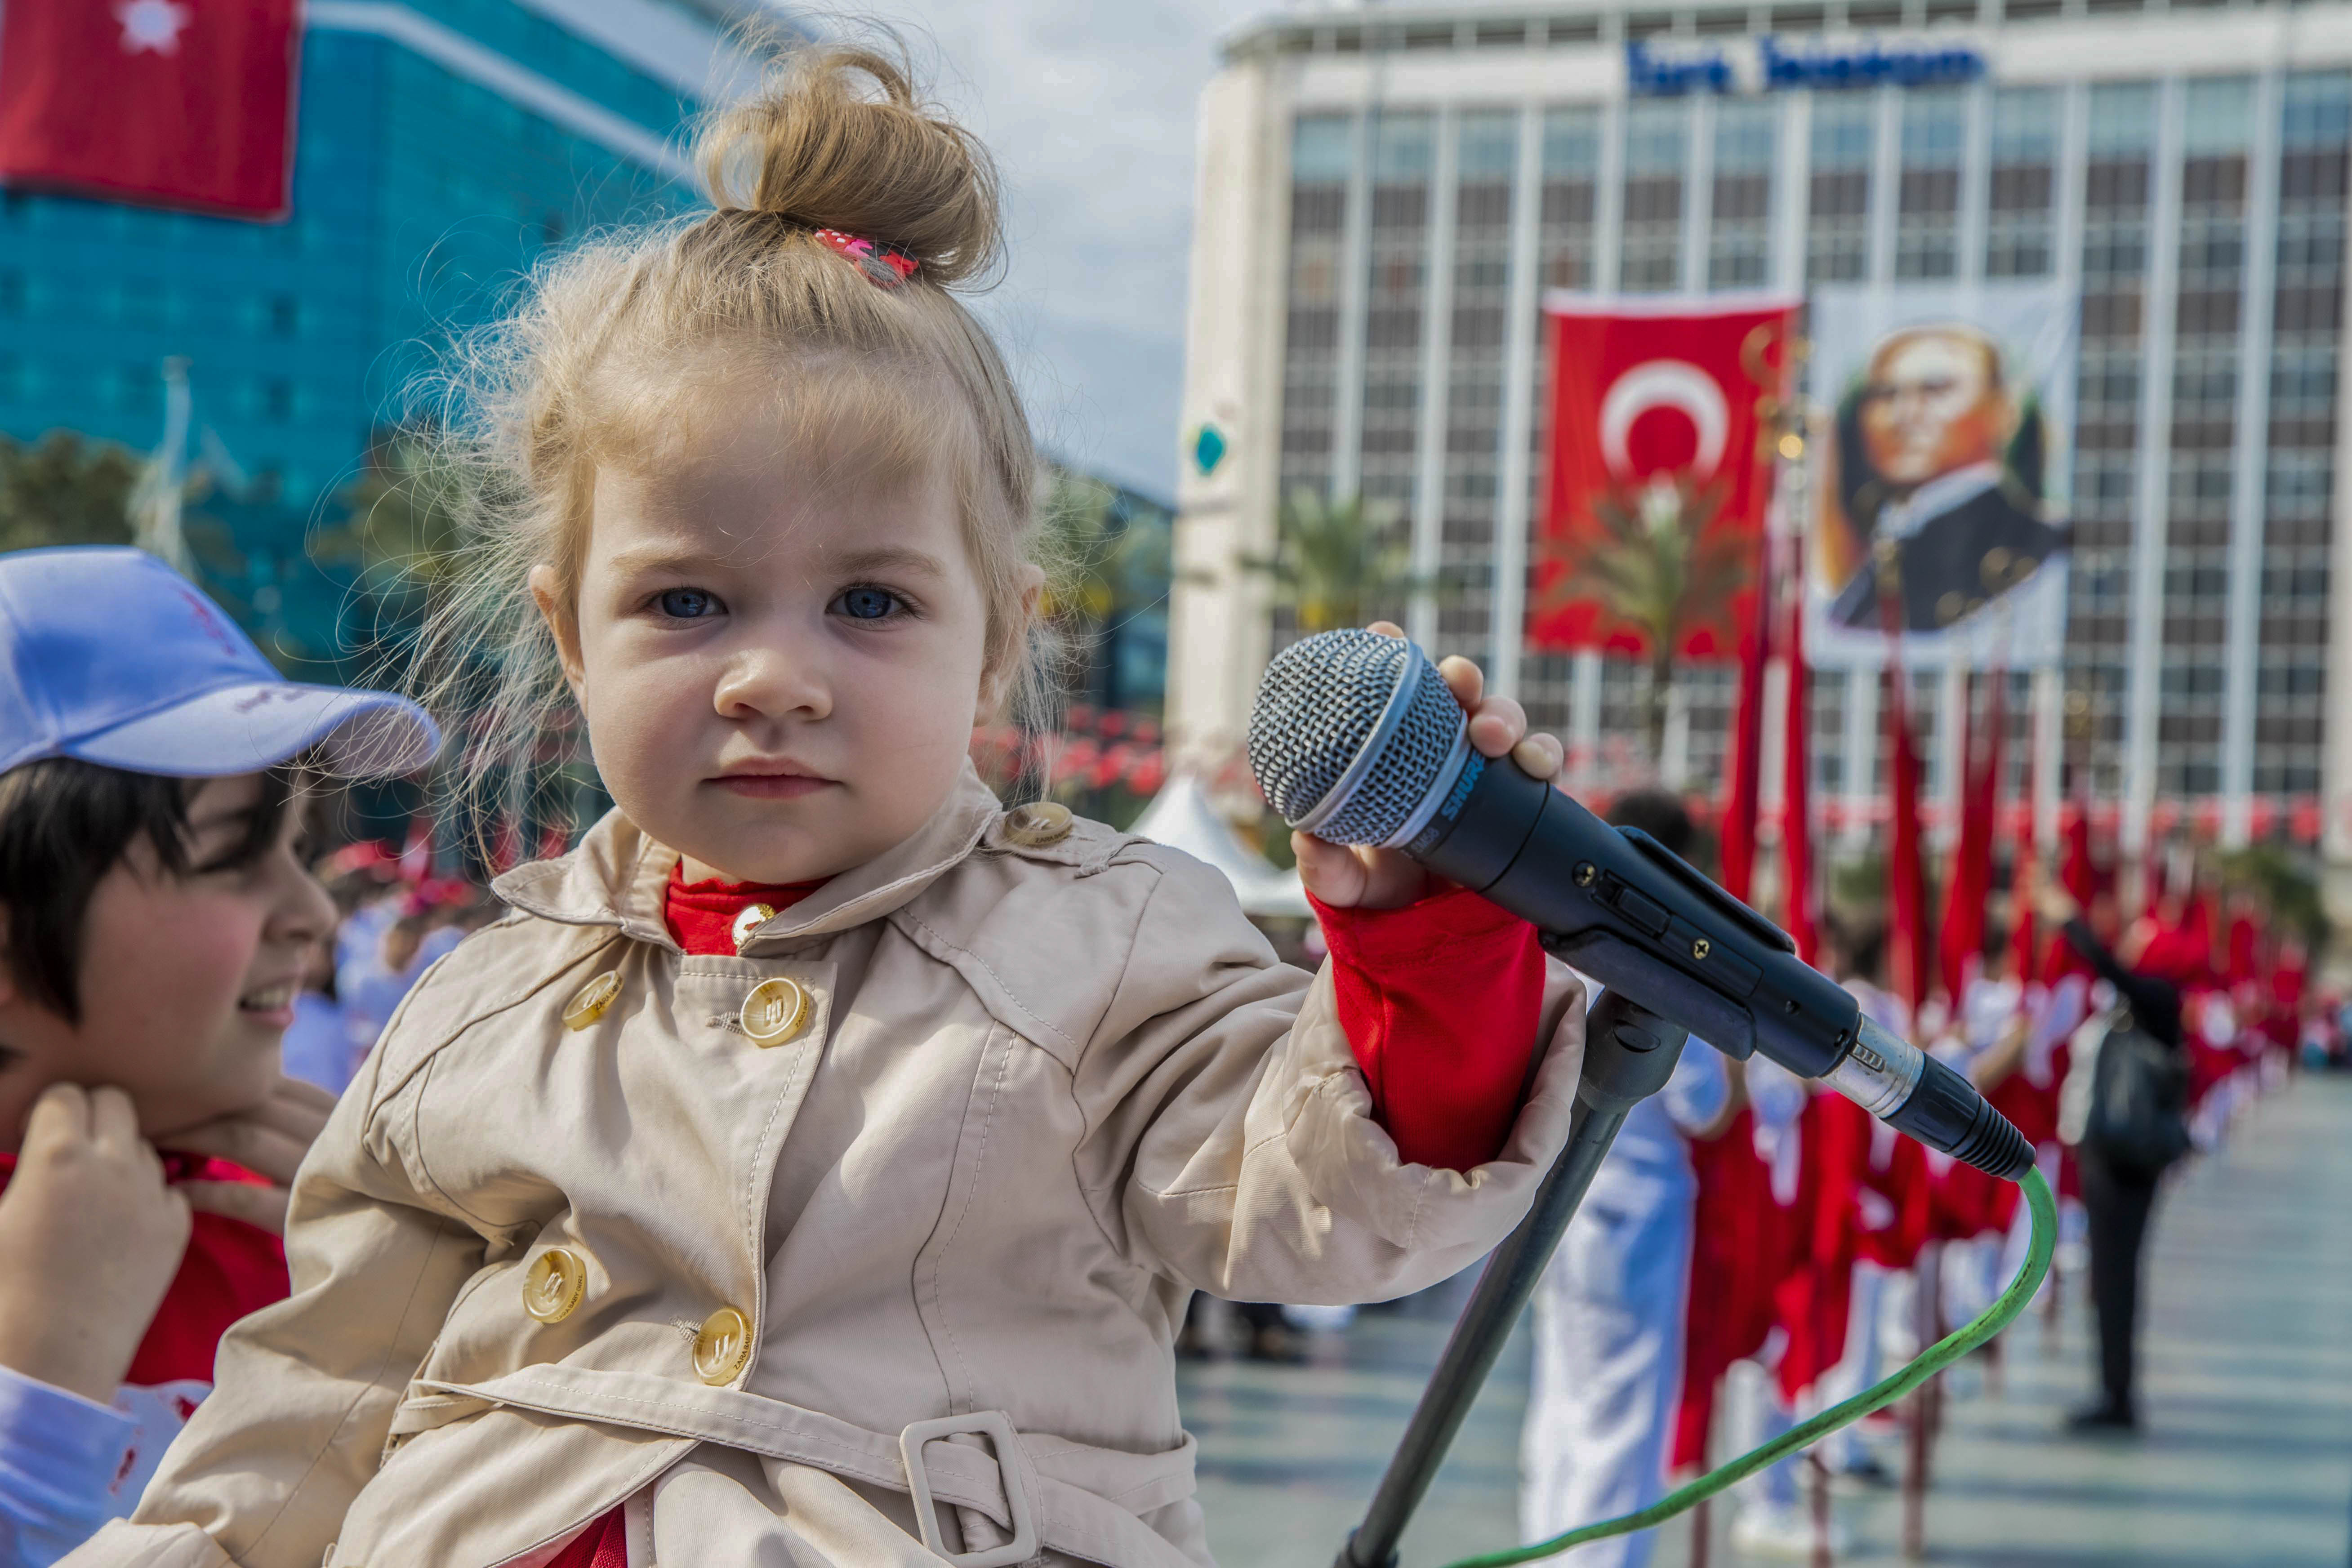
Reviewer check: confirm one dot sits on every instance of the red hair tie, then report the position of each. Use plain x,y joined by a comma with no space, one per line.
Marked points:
887,264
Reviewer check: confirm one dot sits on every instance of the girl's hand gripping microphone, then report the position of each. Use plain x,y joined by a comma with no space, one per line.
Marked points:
1357,739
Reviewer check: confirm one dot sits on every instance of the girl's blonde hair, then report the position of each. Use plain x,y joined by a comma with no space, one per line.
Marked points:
618,347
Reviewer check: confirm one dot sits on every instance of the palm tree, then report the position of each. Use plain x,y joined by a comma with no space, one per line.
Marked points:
1656,567
1335,563
65,489
1096,562
2284,886
408,524
401,526
1107,557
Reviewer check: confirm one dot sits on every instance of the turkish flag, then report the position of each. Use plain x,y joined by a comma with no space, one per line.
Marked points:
1801,914
1745,765
1971,883
1812,1299
1742,1239
2024,937
179,103
1658,409
1910,960
2076,875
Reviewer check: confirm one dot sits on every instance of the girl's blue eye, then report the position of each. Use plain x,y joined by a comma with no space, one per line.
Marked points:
687,603
867,604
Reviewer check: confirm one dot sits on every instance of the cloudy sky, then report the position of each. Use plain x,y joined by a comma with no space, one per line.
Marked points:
1089,108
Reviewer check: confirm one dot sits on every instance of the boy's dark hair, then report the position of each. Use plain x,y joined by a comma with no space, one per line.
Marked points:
64,823
1658,813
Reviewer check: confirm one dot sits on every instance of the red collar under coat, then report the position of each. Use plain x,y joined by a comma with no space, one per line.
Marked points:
701,915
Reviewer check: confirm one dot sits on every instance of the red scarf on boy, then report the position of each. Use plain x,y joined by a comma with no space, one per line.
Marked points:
230,1268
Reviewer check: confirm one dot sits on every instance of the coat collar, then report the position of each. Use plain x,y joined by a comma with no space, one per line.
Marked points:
618,876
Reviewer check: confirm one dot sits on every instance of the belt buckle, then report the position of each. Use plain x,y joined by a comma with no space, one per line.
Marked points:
997,1427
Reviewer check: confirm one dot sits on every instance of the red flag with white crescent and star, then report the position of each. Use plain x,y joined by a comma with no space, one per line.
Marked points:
1663,414
177,103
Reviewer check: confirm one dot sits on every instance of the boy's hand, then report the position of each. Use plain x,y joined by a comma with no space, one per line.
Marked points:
89,1238
269,1141
1345,876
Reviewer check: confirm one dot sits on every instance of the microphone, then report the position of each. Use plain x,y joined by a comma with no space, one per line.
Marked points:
1357,739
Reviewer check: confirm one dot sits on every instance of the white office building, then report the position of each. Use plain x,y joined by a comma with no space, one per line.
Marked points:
1385,194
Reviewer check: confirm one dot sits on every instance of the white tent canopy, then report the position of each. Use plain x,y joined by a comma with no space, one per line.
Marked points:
1181,818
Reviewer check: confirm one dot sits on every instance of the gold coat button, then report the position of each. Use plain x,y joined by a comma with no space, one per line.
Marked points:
722,1347
1037,824
751,918
774,1010
591,1001
553,1287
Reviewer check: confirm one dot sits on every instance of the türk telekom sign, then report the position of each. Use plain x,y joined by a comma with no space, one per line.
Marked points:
1653,71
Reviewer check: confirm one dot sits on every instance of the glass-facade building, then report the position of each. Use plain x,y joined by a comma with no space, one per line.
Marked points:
1406,184
441,147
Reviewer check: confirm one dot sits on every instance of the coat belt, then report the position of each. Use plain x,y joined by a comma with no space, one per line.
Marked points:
1087,1500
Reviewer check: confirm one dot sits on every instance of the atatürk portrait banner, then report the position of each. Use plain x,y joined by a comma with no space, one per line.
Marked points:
1939,488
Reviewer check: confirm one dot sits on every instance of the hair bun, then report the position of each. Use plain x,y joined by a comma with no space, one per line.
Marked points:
835,137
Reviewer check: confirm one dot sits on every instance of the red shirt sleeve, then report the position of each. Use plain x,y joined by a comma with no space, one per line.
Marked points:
1440,1001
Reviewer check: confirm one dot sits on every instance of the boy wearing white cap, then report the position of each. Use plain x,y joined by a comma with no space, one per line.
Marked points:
154,920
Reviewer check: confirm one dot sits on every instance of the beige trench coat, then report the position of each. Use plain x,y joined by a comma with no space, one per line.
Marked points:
1042,1093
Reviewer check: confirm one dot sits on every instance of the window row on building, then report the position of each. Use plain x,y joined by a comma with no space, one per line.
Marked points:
150,302
136,388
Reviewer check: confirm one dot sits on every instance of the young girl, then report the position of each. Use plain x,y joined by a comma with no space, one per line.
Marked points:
814,1165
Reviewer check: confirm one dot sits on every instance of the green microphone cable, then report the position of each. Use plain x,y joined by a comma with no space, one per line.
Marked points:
1939,1356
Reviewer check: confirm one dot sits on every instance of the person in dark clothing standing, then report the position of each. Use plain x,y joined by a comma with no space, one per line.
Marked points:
2118,1199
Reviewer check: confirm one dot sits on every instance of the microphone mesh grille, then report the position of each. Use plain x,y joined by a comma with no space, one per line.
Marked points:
1316,704
1320,701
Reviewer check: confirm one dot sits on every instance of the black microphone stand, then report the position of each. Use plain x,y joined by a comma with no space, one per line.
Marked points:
1629,1054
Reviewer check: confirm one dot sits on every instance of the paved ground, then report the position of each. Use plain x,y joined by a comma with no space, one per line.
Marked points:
2247,1462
